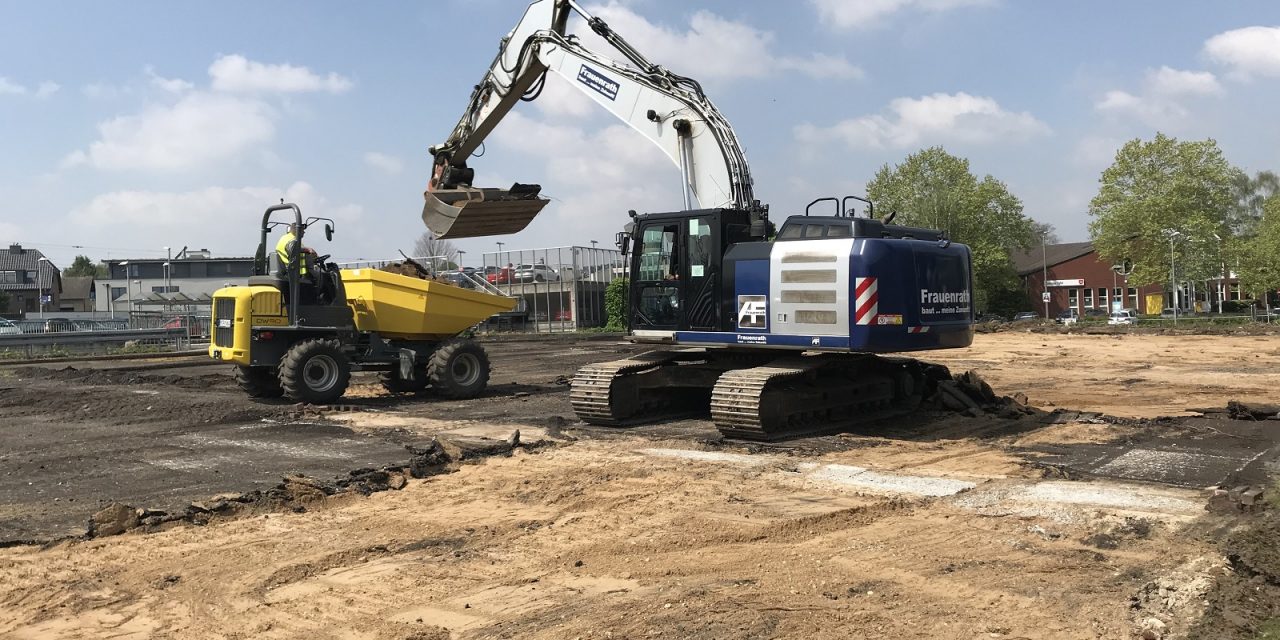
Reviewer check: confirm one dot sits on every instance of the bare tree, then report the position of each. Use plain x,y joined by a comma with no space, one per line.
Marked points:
1043,232
429,246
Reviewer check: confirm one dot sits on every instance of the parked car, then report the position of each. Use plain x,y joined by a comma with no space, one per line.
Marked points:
1070,316
1026,315
8,328
459,279
1123,316
536,273
499,275
1095,313
1167,312
59,325
990,317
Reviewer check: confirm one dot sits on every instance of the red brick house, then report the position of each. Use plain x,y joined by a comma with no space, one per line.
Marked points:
1079,279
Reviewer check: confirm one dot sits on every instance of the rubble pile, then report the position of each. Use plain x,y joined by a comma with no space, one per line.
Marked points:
969,394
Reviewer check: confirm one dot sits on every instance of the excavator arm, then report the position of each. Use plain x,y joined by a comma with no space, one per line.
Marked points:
670,110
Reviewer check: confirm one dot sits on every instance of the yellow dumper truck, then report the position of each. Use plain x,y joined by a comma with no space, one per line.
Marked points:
302,325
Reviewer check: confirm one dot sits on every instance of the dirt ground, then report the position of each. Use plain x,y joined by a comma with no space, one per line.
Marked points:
939,526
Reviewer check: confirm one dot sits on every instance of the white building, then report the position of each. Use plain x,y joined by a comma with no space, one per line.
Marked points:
186,282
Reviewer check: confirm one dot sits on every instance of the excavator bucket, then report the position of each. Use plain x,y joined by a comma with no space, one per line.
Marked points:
468,212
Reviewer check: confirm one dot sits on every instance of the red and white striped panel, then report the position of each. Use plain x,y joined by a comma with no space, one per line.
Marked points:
917,329
867,307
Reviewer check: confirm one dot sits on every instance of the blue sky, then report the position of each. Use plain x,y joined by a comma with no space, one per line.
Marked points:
129,127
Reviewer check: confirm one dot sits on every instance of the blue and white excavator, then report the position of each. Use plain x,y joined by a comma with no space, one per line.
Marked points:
776,334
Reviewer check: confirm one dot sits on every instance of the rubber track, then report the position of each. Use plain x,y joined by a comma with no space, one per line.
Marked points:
593,385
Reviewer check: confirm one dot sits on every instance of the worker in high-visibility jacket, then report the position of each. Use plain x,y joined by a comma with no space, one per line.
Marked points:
282,251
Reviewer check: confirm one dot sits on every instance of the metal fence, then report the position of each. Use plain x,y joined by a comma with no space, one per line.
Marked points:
58,343
195,325
556,288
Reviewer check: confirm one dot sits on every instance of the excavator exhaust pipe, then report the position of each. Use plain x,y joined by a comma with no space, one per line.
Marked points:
467,212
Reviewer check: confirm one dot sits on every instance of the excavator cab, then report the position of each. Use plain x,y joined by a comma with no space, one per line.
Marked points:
677,268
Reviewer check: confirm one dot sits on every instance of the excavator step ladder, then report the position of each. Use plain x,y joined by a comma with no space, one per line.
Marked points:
468,212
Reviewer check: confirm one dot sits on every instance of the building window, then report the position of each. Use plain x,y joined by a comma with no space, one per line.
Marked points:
169,289
1088,298
116,292
1073,298
1133,298
1102,298
1235,290
9,277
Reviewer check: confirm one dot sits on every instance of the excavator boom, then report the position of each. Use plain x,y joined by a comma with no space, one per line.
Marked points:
670,110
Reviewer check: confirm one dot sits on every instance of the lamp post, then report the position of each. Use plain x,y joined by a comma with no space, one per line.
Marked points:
1044,276
1173,277
168,269
594,243
460,254
128,289
1222,276
40,282
111,307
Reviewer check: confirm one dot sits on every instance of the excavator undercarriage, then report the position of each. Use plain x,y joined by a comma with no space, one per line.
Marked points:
749,395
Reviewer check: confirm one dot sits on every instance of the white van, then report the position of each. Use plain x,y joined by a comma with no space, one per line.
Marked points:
1123,316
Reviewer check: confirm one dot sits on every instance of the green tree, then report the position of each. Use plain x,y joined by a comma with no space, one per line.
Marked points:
1157,187
1257,264
932,188
615,304
85,266
4,300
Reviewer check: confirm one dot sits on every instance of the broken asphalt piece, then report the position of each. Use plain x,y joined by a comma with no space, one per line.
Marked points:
114,519
1239,498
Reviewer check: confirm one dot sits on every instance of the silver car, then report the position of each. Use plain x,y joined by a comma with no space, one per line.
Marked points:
1123,316
536,273
8,328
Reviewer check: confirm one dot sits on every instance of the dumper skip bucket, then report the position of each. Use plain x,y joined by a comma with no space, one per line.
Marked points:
408,308
469,212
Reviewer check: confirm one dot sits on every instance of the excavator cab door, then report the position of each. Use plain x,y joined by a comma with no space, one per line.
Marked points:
676,272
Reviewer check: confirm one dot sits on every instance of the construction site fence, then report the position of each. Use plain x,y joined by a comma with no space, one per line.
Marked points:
556,288
20,346
194,324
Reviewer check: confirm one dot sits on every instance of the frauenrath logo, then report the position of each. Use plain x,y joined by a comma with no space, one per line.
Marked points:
753,312
602,84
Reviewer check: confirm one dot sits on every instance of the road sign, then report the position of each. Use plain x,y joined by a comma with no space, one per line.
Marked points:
46,299
1044,297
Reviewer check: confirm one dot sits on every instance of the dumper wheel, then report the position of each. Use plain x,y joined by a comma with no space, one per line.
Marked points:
259,382
459,369
315,371
392,382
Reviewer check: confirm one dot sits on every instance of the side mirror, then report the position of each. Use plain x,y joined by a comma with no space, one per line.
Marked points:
623,240
328,232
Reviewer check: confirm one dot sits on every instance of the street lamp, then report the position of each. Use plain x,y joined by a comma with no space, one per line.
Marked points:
1173,278
40,282
168,270
594,243
460,254
1222,276
127,288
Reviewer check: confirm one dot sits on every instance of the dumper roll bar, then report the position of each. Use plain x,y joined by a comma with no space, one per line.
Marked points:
260,262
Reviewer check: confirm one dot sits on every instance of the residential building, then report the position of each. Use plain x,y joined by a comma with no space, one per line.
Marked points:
77,294
27,276
186,282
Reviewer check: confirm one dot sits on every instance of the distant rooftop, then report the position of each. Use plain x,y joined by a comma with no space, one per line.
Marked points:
1054,254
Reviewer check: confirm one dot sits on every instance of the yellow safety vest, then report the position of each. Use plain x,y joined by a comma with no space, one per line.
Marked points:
282,250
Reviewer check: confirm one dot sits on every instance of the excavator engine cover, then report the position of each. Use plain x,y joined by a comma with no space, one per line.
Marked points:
467,212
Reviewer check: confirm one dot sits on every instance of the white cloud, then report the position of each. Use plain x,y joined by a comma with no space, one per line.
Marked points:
43,90
713,48
9,87
1168,81
383,162
239,74
1248,52
199,129
939,117
218,218
861,14
1160,101
104,91
172,85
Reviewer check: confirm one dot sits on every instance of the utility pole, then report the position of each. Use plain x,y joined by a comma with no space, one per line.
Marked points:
40,282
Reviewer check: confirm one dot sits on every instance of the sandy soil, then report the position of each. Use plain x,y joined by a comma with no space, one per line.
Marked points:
1125,375
637,534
